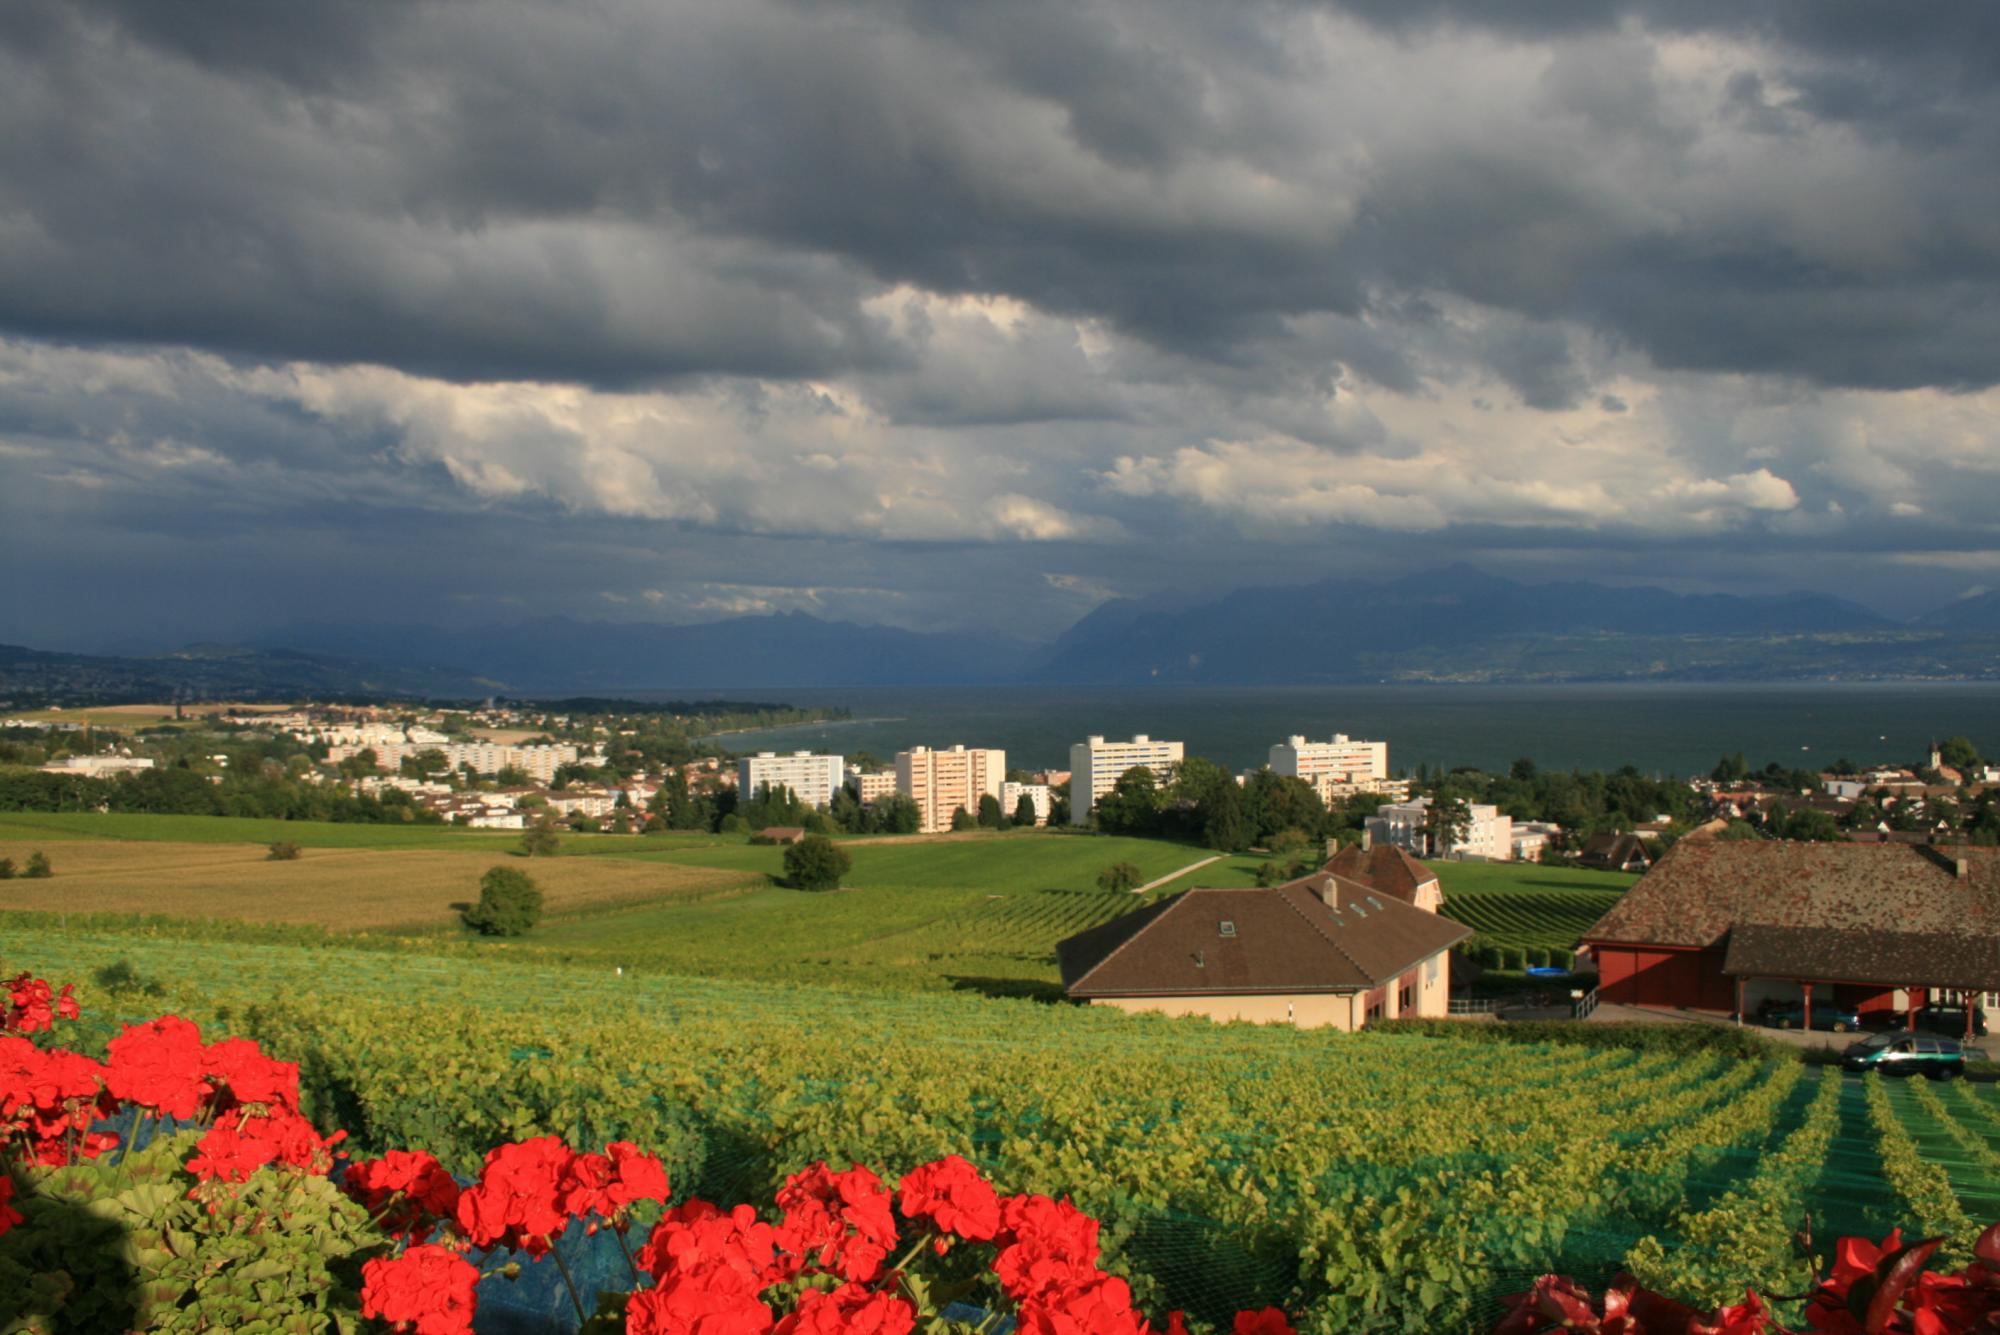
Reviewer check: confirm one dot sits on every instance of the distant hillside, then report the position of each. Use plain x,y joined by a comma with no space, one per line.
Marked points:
215,672
783,649
1458,624
1979,614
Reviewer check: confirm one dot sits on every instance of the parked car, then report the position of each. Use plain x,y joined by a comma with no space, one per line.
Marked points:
1950,1019
1894,1053
1825,1015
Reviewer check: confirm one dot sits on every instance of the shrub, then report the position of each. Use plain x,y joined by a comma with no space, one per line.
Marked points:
1513,957
540,840
1119,876
816,863
732,824
1492,957
962,820
509,903
1681,1039
38,866
1538,957
283,851
7,869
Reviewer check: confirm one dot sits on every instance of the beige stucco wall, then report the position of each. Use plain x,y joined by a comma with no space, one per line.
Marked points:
1312,1010
1308,1010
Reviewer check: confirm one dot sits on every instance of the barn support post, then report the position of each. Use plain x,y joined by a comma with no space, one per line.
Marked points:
1739,1003
1910,1010
1808,1018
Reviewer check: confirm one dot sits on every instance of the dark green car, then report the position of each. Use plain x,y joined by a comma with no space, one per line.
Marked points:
1900,1053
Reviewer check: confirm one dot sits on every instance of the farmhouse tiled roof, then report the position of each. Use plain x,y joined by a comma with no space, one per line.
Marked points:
1384,868
1321,933
1704,887
1893,959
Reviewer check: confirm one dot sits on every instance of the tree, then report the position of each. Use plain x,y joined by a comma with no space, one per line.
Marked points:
1118,878
513,776
509,903
424,764
816,863
895,814
1447,820
359,765
1738,829
284,850
961,820
6,869
1730,769
1958,753
1133,804
1812,826
989,811
540,839
38,866
1024,811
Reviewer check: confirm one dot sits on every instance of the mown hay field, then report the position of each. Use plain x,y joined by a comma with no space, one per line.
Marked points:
351,889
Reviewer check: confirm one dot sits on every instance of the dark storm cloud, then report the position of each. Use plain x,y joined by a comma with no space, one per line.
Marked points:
629,193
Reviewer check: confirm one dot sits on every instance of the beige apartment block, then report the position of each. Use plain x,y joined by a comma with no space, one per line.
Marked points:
940,782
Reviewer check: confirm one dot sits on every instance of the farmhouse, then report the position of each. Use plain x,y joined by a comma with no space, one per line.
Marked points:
1387,869
1319,952
1723,924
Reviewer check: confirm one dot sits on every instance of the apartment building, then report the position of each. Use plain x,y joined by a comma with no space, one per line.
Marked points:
940,782
870,786
1039,795
1345,759
1489,835
813,779
1095,765
539,762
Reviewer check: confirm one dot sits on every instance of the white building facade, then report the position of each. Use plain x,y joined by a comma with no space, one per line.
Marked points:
1488,834
1095,766
813,779
1038,794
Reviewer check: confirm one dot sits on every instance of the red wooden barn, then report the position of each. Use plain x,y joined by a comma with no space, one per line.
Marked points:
1716,921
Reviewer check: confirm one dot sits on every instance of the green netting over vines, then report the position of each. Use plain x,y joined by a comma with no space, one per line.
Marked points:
1393,1181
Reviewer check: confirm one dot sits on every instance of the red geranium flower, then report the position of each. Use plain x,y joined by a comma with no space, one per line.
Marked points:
1270,1321
851,1309
517,1200
1044,1245
250,1077
9,1216
953,1196
696,1239
1101,1307
226,1154
425,1193
32,1006
837,1222
427,1289
696,1306
159,1065
635,1176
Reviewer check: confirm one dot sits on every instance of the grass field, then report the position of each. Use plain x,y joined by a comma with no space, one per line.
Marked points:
135,716
346,889
51,826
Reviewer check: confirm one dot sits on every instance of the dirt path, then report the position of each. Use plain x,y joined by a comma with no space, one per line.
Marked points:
1176,875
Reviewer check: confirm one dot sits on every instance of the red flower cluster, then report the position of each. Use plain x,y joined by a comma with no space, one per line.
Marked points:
953,1197
407,1191
528,1192
709,1269
31,1006
235,1148
1873,1290
426,1289
9,1216
837,1223
851,1309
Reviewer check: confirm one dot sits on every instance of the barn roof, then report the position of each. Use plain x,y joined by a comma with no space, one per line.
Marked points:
1384,868
1704,887
1321,933
1892,959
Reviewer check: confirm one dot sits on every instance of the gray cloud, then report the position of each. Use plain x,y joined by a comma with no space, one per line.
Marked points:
1071,296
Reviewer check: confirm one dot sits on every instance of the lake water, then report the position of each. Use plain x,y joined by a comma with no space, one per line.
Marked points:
1662,729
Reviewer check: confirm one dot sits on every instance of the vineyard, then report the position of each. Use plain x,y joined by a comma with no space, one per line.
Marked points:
1525,906
1380,1181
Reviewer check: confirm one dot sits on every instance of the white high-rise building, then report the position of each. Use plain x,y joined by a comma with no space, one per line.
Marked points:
1344,759
813,779
1095,766
941,782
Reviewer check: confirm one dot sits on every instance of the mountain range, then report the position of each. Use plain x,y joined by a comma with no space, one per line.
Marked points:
1451,624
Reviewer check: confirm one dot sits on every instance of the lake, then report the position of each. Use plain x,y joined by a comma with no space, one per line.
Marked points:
1660,728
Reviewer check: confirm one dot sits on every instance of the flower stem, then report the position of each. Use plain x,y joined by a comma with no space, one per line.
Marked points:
576,1300
638,1280
131,1134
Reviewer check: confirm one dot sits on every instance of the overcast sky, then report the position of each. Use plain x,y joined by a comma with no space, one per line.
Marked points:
979,313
